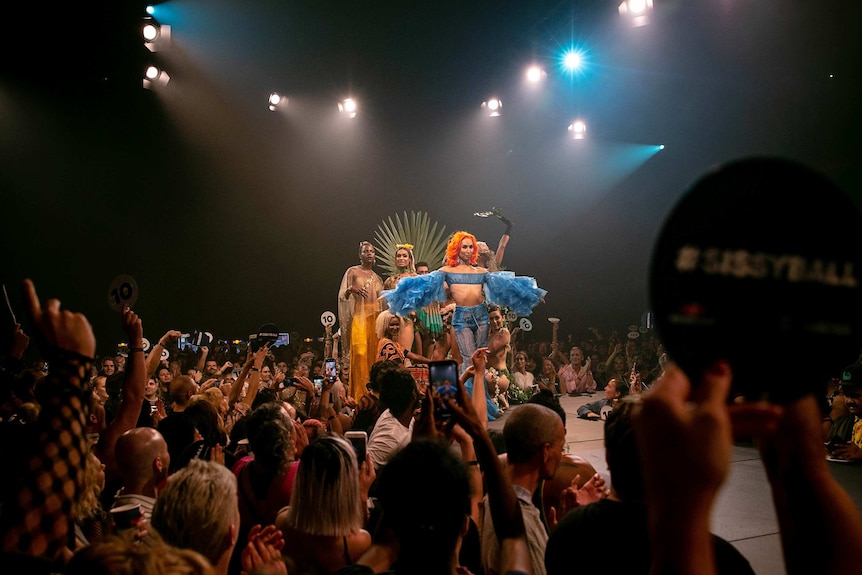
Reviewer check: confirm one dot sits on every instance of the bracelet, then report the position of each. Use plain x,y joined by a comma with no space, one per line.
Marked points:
253,368
331,417
134,349
474,462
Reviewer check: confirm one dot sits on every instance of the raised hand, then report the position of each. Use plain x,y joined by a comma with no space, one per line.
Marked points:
63,330
132,326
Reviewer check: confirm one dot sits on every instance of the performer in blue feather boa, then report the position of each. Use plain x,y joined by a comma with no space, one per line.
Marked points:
470,287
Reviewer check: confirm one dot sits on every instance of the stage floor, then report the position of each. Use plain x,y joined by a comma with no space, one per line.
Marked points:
743,514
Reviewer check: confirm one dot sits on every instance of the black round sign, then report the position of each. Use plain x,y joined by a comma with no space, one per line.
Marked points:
760,264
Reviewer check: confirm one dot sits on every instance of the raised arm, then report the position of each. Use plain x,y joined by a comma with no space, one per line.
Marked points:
202,360
477,372
134,384
237,386
254,378
49,477
504,507
821,529
154,358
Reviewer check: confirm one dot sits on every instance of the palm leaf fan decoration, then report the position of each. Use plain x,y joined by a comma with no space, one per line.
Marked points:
428,240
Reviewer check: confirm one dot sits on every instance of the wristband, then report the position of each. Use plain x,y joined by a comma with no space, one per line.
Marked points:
253,368
474,462
134,349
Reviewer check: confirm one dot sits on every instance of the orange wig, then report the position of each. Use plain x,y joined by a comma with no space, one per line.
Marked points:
454,248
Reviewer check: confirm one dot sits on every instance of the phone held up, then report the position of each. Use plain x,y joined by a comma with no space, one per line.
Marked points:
330,370
443,376
359,440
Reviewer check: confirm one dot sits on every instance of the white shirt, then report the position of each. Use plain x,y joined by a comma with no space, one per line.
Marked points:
388,438
523,380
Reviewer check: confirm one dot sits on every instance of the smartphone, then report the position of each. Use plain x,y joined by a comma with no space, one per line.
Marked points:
330,370
318,384
443,376
359,440
185,343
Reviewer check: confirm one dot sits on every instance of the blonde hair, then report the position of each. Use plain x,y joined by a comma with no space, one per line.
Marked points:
197,507
382,323
326,499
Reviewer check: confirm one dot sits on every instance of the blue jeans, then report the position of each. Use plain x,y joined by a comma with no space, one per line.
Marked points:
471,333
471,330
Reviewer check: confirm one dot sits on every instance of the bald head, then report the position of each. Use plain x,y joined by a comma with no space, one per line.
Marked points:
142,456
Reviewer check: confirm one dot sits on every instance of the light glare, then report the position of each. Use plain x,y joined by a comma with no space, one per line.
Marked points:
578,128
573,60
348,107
492,106
535,74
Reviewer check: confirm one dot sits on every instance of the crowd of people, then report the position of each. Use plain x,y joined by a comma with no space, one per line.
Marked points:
217,463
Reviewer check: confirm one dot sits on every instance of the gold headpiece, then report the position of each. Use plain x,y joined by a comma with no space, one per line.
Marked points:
405,246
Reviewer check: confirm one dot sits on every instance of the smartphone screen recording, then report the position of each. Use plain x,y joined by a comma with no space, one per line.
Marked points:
443,376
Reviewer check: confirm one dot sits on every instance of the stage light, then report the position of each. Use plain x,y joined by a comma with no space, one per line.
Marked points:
493,107
151,9
155,35
276,100
535,74
578,129
155,76
661,147
150,30
637,12
348,107
573,60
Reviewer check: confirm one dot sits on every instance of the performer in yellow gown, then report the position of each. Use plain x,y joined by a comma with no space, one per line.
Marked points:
358,306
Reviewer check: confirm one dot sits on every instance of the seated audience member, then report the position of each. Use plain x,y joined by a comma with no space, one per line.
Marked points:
585,529
395,425
207,434
844,436
197,510
152,408
422,535
520,376
369,408
573,470
535,437
547,378
598,409
91,521
143,462
176,428
323,526
685,441
266,477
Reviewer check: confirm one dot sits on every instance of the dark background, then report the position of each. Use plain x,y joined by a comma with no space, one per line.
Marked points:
230,216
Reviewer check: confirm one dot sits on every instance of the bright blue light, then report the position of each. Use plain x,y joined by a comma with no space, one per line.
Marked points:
661,147
150,10
573,60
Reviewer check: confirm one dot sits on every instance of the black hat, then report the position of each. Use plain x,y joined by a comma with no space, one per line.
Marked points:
851,376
